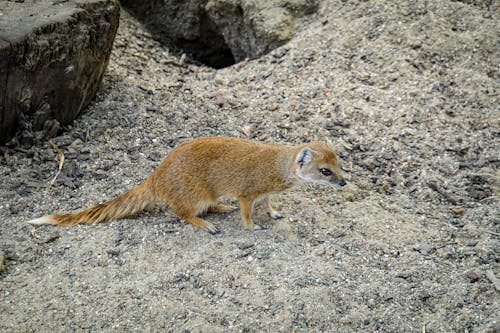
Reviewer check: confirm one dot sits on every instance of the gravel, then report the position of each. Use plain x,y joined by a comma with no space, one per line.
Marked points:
408,92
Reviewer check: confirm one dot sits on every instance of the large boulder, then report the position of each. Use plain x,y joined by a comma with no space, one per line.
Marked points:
53,55
252,28
222,32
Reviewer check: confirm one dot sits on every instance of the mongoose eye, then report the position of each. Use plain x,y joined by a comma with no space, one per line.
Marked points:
325,172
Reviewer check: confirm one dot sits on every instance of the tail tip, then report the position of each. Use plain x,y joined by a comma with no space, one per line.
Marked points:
42,220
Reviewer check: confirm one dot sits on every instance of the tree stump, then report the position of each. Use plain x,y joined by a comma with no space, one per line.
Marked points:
53,55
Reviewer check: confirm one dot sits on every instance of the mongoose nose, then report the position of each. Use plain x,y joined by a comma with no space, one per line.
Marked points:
343,182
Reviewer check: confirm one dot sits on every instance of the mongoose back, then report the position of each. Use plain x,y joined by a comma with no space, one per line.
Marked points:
197,173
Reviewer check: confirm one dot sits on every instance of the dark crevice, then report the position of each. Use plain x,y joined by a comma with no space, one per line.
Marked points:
206,46
219,54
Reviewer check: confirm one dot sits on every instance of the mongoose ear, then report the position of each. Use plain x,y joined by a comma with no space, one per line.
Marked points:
305,156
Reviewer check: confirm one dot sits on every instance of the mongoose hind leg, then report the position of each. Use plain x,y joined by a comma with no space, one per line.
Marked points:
199,222
189,214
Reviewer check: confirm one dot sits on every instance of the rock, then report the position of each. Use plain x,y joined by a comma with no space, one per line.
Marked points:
337,233
320,250
404,275
472,276
424,295
458,210
254,28
479,192
425,248
444,253
244,245
222,32
53,55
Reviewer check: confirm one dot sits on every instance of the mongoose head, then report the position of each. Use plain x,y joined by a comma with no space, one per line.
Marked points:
316,162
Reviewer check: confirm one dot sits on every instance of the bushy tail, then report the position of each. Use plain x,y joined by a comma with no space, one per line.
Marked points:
133,201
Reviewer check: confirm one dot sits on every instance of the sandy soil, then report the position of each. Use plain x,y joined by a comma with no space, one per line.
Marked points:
409,93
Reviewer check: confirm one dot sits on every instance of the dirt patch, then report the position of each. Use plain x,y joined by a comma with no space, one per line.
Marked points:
408,92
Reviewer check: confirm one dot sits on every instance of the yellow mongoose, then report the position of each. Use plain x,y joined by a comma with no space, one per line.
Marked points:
197,173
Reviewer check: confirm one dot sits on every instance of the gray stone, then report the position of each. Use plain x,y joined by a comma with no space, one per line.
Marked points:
53,55
252,28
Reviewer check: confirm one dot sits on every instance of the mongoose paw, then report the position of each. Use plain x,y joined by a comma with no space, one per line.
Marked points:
275,215
221,208
258,227
212,229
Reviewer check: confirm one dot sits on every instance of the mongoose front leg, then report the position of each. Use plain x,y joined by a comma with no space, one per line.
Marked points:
246,207
270,209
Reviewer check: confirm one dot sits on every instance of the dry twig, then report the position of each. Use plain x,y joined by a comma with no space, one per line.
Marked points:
493,233
61,161
491,276
445,194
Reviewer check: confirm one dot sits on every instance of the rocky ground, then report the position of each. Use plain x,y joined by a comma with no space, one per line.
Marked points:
409,93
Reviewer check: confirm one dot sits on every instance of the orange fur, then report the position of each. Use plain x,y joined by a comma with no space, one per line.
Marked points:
199,172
